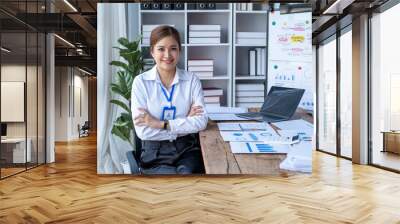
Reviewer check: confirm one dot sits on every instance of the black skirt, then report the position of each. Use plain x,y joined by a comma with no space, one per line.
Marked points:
181,156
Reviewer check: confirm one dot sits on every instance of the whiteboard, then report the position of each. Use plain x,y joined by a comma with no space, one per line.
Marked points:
12,101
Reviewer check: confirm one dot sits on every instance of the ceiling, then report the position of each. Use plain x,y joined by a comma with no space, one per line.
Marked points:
75,22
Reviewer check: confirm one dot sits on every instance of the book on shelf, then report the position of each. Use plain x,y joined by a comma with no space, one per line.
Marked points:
259,93
204,34
200,68
252,99
204,28
244,6
249,87
259,61
213,92
251,41
252,62
149,28
200,62
211,99
204,40
212,104
204,74
263,61
249,105
251,35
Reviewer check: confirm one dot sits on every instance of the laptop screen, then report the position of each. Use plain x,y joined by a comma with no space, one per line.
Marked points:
282,101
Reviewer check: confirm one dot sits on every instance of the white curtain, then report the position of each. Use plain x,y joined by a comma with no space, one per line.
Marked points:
111,150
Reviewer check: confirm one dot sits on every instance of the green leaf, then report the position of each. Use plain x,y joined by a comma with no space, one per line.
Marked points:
121,104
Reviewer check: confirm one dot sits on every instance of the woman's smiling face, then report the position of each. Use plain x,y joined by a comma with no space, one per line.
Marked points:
166,53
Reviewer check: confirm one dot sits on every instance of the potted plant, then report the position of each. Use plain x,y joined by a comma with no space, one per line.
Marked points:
128,70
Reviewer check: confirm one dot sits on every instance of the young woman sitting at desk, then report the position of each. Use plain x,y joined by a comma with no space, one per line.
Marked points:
167,107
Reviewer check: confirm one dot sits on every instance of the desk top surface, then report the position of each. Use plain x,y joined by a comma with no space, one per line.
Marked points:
218,158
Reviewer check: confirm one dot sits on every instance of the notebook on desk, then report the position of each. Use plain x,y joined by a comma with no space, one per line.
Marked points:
279,105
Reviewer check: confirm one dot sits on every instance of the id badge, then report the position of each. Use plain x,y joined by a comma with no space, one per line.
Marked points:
168,113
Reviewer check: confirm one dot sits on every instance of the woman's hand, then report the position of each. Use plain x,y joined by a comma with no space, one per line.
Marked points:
195,110
145,119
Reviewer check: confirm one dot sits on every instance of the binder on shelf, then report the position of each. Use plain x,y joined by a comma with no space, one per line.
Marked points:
259,55
166,6
145,6
211,5
201,6
156,6
179,6
252,62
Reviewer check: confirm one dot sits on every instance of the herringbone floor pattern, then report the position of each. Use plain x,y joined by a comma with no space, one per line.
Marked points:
70,191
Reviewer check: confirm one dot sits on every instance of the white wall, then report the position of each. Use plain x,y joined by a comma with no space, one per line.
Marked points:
70,83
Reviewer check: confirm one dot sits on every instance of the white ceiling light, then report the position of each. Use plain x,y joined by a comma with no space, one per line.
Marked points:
5,50
338,6
86,72
65,41
70,5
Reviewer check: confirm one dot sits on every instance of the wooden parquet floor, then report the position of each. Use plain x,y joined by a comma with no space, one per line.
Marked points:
70,191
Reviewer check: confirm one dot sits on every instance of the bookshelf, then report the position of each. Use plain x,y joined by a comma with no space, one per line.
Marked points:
230,59
252,19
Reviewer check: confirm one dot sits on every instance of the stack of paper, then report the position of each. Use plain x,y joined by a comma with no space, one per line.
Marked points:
302,127
204,34
249,95
201,68
268,136
225,113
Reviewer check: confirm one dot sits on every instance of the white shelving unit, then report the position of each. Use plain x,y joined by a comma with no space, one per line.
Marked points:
230,59
247,21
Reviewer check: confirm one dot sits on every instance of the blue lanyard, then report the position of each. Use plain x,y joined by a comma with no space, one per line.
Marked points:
171,94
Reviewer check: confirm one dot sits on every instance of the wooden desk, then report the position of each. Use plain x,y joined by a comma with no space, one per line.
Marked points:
218,158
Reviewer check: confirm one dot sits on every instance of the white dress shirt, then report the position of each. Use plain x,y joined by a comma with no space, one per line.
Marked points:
147,94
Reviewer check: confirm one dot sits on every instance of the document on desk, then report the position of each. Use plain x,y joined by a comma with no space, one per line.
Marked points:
245,126
298,125
257,147
225,117
225,110
225,113
269,137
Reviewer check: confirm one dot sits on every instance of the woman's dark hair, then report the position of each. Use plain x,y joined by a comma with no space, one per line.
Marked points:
164,31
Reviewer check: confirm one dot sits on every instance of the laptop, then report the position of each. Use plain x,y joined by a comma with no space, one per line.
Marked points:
279,105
